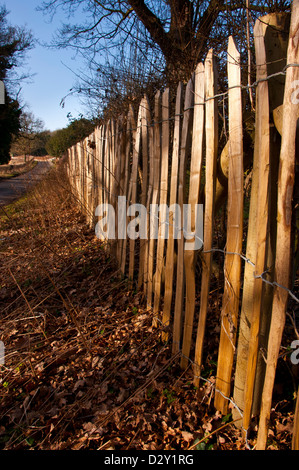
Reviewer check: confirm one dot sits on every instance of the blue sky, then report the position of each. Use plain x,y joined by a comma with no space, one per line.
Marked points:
52,80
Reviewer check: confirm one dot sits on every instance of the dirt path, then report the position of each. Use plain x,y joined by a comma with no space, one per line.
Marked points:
16,187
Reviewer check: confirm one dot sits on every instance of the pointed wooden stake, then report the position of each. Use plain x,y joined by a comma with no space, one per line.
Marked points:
284,225
232,268
194,186
162,203
185,141
170,259
211,129
262,136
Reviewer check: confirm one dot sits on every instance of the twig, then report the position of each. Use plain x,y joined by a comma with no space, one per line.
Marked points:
213,432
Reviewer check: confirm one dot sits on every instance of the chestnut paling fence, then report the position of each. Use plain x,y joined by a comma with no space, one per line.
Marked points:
164,158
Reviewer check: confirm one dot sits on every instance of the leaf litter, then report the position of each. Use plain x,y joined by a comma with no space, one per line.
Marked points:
84,367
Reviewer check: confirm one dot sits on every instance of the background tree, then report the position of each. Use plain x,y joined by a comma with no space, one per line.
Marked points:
40,143
62,139
14,42
9,124
31,137
168,37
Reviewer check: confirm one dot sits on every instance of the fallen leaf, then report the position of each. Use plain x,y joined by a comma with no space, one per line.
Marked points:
187,436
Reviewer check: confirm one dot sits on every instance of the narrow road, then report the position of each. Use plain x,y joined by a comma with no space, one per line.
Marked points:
16,187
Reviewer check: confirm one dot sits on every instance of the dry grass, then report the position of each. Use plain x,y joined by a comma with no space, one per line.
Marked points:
15,169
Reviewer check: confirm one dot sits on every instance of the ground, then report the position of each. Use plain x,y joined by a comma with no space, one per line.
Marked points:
84,368
14,186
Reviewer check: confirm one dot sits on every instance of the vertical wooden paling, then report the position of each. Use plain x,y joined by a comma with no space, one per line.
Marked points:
194,187
107,162
90,150
150,136
80,170
106,168
284,222
76,169
105,146
110,173
127,188
185,140
99,156
262,136
211,131
101,163
89,168
82,177
170,259
232,267
112,159
96,167
122,192
145,167
116,182
155,195
77,172
162,203
70,167
84,145
89,180
94,178
295,440
133,185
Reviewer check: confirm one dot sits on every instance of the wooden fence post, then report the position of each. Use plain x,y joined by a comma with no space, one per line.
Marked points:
232,267
116,182
162,203
148,136
155,196
80,173
194,186
284,217
145,119
211,130
90,179
170,259
121,191
262,140
84,174
133,185
295,440
185,141
127,189
109,162
105,158
101,163
97,136
112,159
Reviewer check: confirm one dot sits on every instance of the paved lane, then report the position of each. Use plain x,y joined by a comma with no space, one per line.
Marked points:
16,187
